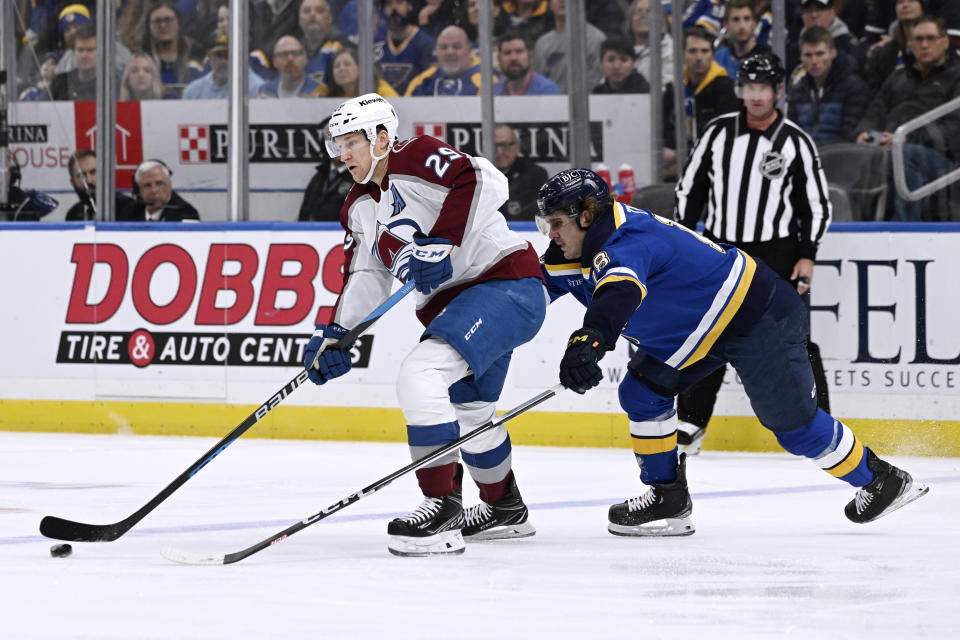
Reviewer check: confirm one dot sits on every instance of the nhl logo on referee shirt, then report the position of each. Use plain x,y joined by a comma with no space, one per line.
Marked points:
772,165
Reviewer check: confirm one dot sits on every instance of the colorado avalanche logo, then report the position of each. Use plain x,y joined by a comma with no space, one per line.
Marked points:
772,165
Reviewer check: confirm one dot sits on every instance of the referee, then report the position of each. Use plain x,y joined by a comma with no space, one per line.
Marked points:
758,177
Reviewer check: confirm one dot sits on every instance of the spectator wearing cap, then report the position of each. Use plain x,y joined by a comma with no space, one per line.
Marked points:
826,98
822,13
41,89
619,73
407,50
176,56
515,59
289,59
71,18
214,85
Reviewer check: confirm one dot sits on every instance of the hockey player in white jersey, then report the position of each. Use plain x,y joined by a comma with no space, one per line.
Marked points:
424,211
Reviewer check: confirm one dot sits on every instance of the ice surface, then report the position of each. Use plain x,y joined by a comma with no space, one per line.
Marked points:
773,555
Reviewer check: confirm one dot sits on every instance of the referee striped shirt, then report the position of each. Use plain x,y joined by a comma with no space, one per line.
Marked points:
755,185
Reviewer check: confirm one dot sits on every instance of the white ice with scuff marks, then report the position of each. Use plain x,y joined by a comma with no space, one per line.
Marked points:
773,555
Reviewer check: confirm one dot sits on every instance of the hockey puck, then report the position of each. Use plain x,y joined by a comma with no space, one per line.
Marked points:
61,550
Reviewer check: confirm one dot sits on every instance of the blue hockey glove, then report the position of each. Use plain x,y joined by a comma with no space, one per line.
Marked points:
321,359
429,263
579,370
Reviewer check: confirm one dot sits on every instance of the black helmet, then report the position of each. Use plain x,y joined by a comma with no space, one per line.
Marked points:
763,68
565,192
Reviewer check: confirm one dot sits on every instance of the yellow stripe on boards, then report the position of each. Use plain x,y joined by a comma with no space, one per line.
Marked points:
542,428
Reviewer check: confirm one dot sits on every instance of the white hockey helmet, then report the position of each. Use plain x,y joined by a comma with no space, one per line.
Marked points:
363,114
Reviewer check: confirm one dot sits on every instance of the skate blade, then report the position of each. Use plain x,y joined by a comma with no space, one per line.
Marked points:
440,544
503,532
914,491
666,527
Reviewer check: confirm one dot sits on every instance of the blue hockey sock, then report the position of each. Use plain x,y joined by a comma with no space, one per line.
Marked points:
832,446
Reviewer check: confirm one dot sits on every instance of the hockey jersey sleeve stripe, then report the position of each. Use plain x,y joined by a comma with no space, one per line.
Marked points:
725,305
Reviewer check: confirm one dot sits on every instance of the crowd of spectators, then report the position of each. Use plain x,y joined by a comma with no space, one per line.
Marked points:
853,65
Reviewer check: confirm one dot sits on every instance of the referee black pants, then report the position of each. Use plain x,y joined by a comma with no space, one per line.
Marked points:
696,404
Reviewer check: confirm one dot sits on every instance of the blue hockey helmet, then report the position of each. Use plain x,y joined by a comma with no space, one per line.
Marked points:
565,193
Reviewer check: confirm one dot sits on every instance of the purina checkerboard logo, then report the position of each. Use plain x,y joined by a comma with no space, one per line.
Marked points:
194,144
435,129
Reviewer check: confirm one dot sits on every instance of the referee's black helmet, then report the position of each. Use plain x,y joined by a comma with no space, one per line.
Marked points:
762,68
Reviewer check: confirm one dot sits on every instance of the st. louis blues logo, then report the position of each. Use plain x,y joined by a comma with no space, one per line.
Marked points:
398,203
772,165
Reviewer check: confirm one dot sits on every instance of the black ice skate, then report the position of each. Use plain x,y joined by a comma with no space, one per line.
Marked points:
891,489
505,518
664,510
690,437
433,528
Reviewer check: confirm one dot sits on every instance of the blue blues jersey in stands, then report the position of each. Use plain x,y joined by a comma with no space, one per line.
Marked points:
665,288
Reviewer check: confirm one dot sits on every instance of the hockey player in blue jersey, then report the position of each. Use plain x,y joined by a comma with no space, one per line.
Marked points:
690,305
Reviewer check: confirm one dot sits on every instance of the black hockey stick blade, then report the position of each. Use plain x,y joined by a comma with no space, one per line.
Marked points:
62,529
187,557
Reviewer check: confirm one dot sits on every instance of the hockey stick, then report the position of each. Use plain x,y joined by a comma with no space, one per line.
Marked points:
61,529
186,557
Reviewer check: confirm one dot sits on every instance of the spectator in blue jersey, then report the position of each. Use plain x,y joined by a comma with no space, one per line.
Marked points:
177,57
689,306
826,98
349,26
407,50
892,51
457,72
740,23
319,37
700,13
214,85
619,74
708,92
515,59
551,50
289,59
